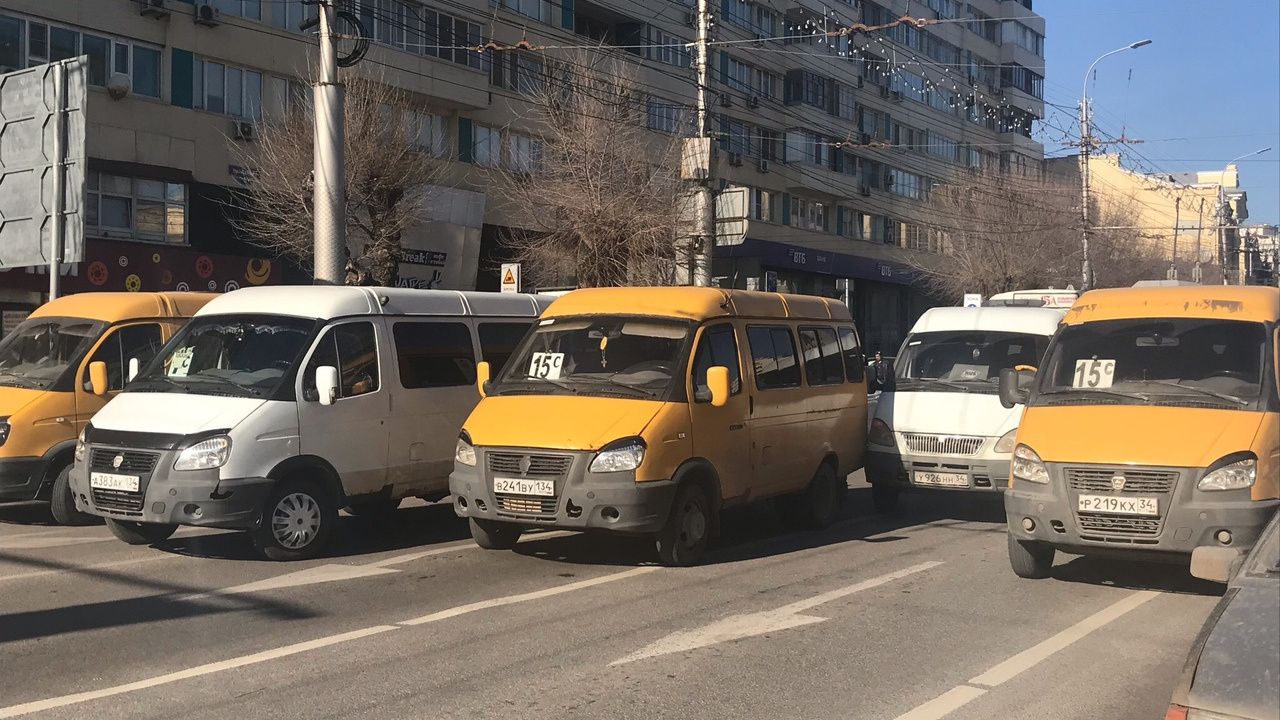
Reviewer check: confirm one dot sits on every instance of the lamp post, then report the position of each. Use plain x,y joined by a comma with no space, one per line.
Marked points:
1224,212
1086,145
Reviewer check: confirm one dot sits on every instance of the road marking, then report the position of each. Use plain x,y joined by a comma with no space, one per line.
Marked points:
736,627
88,568
1005,671
221,666
525,597
310,576
400,559
40,542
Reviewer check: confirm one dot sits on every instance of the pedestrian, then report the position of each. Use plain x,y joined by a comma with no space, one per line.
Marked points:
879,372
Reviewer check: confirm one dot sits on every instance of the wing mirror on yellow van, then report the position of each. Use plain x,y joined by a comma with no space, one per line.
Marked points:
1015,386
98,378
482,378
718,384
327,384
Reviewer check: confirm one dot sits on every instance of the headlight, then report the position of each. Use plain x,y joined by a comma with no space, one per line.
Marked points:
1028,466
619,456
1005,443
4,429
464,452
205,455
1236,476
80,446
880,433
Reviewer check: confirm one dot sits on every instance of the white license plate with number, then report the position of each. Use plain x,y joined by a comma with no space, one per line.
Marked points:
943,479
112,481
519,486
1118,504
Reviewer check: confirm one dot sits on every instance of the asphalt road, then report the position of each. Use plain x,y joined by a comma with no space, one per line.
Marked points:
913,616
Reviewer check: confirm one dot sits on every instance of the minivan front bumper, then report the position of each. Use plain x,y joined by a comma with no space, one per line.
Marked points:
898,469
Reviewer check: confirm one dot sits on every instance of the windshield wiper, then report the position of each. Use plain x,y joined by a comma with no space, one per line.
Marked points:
246,388
937,381
21,380
550,381
1203,391
1100,391
618,383
165,379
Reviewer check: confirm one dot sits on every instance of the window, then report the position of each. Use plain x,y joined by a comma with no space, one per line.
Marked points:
434,354
983,25
763,205
1022,36
764,83
353,349
803,87
287,14
229,90
140,342
449,38
852,349
25,44
425,131
766,21
946,8
498,341
738,73
845,108
536,9
943,147
523,153
822,362
669,49
738,12
716,347
804,146
738,137
669,117
808,214
518,71
251,9
768,142
901,182
139,208
1018,77
773,356
486,146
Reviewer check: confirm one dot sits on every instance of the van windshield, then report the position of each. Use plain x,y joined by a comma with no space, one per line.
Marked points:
1158,361
37,352
611,356
964,360
237,355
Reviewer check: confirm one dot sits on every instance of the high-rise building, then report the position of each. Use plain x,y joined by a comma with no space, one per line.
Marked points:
840,117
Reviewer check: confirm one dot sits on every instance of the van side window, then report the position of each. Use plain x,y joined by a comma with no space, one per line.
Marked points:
716,347
773,353
853,366
139,341
822,362
498,340
434,354
353,349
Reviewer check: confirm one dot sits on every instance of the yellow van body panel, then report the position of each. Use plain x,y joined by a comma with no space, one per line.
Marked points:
670,442
1267,447
1225,302
115,307
695,303
558,422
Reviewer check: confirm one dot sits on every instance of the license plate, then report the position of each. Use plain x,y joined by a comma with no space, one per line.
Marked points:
112,481
518,486
941,478
1118,504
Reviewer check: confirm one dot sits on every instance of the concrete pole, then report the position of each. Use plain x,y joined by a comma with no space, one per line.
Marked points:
1086,140
1222,231
704,204
1177,212
59,209
1196,271
330,193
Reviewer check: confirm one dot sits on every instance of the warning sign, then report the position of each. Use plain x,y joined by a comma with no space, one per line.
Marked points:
510,278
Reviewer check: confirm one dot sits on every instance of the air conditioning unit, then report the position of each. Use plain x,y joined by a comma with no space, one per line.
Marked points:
895,95
243,130
725,100
865,190
691,19
735,159
762,166
884,91
753,102
207,15
155,8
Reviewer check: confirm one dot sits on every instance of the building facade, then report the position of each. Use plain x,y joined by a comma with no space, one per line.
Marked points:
839,118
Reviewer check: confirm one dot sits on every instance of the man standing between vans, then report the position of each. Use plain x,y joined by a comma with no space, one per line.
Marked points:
879,370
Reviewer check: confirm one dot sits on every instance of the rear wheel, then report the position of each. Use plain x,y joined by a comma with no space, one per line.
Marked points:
885,498
816,506
63,503
140,533
299,520
683,540
1030,559
492,535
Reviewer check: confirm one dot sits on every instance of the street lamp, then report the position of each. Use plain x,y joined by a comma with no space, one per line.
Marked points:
1224,212
1086,143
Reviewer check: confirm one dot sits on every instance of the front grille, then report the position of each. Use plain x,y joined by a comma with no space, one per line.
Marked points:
118,500
1152,482
1111,526
942,444
131,461
540,466
525,504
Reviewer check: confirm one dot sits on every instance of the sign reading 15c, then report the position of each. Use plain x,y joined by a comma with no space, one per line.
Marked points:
1094,373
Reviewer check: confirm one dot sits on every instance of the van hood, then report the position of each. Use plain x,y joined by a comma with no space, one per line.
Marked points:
1136,434
947,413
558,422
173,413
13,399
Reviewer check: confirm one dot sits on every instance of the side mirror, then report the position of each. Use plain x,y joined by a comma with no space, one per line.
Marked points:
1015,386
327,384
133,369
1216,564
98,378
482,378
718,384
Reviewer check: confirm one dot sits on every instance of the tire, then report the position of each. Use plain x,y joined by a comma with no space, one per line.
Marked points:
297,522
63,503
492,535
140,533
373,508
884,498
683,539
1030,559
814,507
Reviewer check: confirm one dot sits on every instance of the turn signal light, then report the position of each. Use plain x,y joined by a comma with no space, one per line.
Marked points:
1176,712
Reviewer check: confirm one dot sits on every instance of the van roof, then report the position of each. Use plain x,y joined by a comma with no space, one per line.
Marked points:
323,302
117,306
1036,320
1229,302
696,303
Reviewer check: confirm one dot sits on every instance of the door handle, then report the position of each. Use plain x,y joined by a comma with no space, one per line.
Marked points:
751,405
737,426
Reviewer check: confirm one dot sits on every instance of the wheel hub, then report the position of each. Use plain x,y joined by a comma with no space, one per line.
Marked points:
295,521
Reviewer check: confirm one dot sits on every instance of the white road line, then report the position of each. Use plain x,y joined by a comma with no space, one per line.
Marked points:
952,699
65,700
88,568
310,576
400,559
41,542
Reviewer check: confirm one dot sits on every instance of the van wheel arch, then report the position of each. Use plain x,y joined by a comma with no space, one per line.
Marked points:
56,458
701,472
310,467
833,460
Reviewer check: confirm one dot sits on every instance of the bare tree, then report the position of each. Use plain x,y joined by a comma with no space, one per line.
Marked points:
388,177
601,200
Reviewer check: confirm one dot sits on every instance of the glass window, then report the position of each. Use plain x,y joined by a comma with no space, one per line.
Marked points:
37,43
37,352
717,347
965,360
357,358
215,98
146,71
498,341
252,95
132,341
62,43
10,44
852,349
235,92
822,362
773,355
116,212
434,354
99,51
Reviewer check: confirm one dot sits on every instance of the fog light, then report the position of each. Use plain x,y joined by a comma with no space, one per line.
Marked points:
1028,524
195,511
462,503
1224,537
480,505
610,514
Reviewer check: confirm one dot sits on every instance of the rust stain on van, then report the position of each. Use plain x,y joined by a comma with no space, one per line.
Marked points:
1231,306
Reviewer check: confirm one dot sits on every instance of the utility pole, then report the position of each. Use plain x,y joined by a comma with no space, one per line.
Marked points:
1223,216
1086,145
329,175
704,204
1177,210
1197,273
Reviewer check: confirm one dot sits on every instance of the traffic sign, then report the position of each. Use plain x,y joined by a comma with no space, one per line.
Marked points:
510,278
972,300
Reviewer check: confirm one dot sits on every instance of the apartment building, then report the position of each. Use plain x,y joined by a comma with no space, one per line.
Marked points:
838,117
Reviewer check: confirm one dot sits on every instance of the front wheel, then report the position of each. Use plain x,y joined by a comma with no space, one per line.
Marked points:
683,540
492,535
298,522
140,533
63,503
1030,559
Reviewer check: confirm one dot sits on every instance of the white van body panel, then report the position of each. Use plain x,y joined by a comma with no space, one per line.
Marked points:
947,413
326,302
174,414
